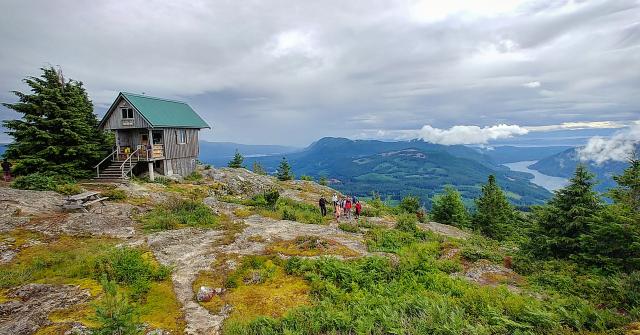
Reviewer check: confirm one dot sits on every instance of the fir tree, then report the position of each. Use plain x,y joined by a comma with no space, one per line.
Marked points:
114,314
613,238
494,215
566,217
284,170
627,193
58,131
258,169
237,161
448,208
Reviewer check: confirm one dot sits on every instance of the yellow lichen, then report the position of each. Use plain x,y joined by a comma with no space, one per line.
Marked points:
161,308
242,212
310,246
273,298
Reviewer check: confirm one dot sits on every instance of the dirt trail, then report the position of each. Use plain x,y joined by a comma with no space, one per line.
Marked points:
189,251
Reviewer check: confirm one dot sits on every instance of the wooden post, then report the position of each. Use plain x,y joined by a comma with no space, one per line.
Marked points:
150,152
151,176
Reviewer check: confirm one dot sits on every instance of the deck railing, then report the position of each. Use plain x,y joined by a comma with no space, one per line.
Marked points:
129,159
112,155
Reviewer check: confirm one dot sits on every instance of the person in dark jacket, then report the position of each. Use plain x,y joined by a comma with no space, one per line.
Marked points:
323,206
6,168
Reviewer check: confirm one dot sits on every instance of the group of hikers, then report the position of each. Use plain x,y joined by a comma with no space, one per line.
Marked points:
342,206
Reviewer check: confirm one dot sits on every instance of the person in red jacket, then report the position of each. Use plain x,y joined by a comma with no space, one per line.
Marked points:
358,209
347,208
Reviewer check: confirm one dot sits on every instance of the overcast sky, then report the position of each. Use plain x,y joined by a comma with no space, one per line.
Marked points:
290,72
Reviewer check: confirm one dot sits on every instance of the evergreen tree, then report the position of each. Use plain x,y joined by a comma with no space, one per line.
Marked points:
284,170
58,132
494,215
114,314
566,217
410,204
258,169
237,161
323,181
448,208
627,193
613,239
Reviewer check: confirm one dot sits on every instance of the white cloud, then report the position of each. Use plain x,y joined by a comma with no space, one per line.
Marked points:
532,84
619,147
583,125
469,134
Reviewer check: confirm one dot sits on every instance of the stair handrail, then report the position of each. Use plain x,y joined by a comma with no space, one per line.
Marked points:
124,175
97,167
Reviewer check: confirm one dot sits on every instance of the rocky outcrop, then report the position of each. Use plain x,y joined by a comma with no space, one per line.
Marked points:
33,303
240,181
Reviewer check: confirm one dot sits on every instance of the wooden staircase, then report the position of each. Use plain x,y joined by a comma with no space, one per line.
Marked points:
113,171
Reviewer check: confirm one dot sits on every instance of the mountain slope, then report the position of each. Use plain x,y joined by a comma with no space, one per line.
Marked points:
219,153
511,154
563,164
397,169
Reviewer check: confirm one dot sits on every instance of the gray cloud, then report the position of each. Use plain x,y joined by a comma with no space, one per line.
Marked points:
290,72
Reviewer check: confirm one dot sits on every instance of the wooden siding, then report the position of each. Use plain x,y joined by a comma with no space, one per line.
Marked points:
131,137
115,119
172,149
181,166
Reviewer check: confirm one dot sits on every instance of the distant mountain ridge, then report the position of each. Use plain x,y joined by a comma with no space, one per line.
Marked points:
219,153
511,154
563,164
397,169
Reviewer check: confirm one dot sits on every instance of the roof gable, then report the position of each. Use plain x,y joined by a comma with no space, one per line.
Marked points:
162,112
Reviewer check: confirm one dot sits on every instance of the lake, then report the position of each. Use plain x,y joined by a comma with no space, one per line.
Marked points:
551,183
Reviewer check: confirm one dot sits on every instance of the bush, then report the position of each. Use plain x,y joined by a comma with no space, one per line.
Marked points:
288,214
41,181
128,266
271,197
114,194
177,212
194,176
351,228
307,178
68,189
410,204
407,222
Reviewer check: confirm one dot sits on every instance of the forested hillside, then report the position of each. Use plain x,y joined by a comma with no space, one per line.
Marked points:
563,164
397,169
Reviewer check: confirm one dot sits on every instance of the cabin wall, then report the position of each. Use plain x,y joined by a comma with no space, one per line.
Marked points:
130,138
173,150
179,166
115,118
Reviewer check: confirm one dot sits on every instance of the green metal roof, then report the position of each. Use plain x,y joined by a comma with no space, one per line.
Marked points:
165,113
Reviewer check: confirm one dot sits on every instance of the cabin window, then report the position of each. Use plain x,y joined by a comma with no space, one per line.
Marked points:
127,113
181,135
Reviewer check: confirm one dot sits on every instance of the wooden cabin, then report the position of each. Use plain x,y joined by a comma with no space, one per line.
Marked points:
159,132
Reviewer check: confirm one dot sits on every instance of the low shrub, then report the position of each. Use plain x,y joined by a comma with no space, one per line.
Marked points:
307,178
179,212
194,176
410,204
127,266
351,228
114,194
407,222
68,189
41,181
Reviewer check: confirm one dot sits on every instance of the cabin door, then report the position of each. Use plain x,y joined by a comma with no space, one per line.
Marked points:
144,139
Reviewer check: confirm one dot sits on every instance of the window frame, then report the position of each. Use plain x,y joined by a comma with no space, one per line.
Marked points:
181,136
126,113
